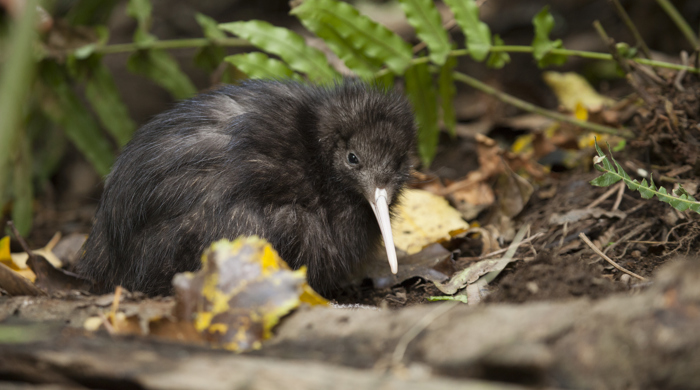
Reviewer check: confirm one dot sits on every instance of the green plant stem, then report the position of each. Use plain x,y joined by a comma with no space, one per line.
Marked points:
673,13
172,44
523,105
582,54
15,80
236,42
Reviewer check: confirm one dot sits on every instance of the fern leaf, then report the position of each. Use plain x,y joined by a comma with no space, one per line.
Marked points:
364,34
425,18
259,66
447,90
354,59
421,92
478,34
288,45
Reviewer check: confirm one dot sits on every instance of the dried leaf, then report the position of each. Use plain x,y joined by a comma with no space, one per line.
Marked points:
240,294
575,93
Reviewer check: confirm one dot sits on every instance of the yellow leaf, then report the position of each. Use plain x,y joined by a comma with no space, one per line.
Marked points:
572,89
241,292
422,219
581,113
5,256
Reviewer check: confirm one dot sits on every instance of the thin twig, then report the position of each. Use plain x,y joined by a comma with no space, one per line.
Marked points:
606,258
629,235
676,227
678,81
611,46
498,252
620,192
523,105
630,25
603,197
417,328
564,233
172,44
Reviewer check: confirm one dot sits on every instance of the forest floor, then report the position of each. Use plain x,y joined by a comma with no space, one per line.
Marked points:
557,316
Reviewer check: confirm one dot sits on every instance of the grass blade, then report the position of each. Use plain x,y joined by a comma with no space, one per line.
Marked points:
15,81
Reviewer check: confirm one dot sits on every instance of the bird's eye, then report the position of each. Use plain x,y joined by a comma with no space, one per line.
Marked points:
352,159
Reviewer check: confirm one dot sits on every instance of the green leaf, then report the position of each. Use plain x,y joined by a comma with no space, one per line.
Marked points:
23,189
365,67
498,60
364,34
425,18
48,145
541,44
210,27
421,92
645,191
259,66
447,90
104,97
87,50
141,11
678,199
386,80
16,77
64,108
286,44
478,34
160,67
209,57
606,180
90,13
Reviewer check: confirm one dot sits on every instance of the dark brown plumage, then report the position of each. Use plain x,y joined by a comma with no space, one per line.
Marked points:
296,164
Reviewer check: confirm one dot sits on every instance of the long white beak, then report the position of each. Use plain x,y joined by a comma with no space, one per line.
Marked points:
380,206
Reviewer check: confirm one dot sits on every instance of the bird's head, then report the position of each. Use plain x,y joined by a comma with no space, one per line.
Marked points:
369,136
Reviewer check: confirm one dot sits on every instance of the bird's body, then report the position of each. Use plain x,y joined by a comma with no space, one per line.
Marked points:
292,163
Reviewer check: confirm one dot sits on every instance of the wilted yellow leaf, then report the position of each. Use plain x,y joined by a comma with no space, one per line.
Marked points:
422,219
572,89
242,291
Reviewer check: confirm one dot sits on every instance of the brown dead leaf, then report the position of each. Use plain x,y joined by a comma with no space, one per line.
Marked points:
513,193
14,284
434,263
54,279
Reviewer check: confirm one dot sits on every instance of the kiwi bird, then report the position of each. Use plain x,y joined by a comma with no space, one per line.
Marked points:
315,170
